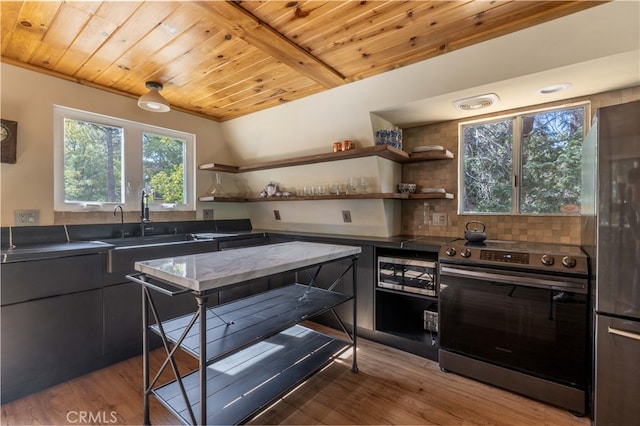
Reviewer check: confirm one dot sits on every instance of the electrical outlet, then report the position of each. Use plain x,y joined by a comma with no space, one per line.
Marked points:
276,214
346,216
439,219
207,214
27,217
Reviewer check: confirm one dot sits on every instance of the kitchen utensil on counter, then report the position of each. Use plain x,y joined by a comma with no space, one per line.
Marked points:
475,235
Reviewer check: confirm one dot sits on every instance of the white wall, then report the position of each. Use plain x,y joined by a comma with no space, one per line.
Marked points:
28,98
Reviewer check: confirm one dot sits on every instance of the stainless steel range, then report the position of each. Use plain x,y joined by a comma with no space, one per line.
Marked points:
516,315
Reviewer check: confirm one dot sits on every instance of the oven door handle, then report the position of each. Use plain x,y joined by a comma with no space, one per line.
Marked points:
526,281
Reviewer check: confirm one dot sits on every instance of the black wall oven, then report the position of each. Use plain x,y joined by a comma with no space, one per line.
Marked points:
517,317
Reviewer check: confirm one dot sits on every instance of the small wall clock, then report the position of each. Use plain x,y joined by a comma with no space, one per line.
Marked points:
8,138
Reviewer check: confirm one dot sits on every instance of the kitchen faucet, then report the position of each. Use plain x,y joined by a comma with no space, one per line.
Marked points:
144,214
121,219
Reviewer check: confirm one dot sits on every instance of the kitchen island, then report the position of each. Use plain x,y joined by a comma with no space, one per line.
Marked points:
252,350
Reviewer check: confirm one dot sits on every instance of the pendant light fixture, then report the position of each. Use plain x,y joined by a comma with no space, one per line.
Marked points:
153,100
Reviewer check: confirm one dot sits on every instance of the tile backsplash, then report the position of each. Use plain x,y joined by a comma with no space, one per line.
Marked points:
417,214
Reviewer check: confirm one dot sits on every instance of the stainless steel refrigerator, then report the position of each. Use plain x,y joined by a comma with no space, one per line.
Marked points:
611,237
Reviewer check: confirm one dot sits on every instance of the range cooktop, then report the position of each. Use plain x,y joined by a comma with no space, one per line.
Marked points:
519,254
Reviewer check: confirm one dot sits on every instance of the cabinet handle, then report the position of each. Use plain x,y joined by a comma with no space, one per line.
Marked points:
623,333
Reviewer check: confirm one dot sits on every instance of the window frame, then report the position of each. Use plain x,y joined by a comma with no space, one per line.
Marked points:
132,178
516,171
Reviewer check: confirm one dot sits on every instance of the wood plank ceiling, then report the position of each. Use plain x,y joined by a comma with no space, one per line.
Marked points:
223,59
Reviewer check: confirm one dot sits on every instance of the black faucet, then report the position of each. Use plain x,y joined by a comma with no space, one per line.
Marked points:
121,219
144,214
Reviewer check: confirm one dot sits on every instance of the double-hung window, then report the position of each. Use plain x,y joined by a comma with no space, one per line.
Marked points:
101,162
523,164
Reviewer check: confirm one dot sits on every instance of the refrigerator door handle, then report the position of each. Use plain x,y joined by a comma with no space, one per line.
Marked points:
623,333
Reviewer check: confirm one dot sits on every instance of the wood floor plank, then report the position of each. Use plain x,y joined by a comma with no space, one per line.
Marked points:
391,387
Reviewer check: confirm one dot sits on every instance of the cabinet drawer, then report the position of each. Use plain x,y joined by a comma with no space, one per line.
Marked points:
49,341
22,281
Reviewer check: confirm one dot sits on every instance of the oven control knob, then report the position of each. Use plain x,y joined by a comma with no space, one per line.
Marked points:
450,251
465,252
569,261
547,260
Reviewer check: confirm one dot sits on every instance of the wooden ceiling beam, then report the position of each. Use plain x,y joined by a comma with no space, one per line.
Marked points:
233,18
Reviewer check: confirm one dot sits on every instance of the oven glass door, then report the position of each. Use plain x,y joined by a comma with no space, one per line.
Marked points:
538,331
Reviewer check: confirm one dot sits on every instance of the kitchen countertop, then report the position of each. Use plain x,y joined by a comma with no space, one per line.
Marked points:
52,250
42,249
409,242
215,270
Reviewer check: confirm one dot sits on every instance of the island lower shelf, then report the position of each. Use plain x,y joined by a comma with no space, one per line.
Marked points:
238,324
246,382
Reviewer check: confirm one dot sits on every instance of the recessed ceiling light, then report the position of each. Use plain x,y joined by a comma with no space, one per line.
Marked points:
476,102
554,88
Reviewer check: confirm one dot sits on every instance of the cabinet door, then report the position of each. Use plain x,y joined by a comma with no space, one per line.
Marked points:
123,318
252,287
286,278
49,341
123,321
23,281
617,378
364,287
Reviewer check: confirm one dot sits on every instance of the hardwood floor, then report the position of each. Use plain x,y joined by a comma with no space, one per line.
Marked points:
391,387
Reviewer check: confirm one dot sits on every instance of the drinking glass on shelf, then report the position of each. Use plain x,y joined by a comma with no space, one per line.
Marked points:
363,184
352,185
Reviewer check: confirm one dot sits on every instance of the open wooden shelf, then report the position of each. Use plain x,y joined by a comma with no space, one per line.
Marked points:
372,196
429,156
222,199
432,195
384,151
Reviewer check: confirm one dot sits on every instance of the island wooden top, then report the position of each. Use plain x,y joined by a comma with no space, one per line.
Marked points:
216,270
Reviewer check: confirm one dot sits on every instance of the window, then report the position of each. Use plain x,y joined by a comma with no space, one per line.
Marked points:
101,162
525,164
